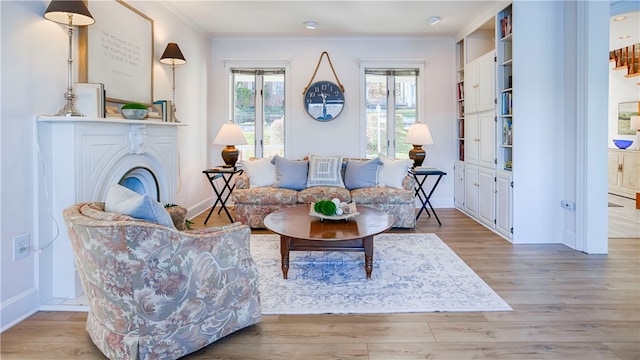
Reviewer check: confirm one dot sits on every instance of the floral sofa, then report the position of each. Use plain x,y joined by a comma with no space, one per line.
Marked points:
159,293
270,184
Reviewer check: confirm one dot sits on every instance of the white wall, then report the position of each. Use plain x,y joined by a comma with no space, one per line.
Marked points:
621,89
342,135
34,79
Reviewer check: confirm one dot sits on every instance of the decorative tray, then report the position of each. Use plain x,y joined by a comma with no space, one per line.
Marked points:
349,209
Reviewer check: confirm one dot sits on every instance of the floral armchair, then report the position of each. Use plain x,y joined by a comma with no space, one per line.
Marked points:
159,293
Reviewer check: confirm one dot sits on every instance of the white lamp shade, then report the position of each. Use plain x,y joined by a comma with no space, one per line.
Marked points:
419,134
635,123
230,134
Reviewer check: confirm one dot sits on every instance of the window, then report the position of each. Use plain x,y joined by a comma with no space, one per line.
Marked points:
390,94
258,108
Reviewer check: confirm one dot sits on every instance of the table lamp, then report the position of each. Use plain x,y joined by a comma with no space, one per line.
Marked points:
418,135
173,56
70,13
230,135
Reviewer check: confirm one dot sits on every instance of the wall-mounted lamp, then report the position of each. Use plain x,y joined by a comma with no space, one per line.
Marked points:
418,135
70,13
311,25
173,56
229,135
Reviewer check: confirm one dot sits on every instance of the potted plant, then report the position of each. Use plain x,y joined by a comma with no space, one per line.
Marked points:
134,110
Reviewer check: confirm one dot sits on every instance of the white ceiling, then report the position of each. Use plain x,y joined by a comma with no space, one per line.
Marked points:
629,26
261,18
334,18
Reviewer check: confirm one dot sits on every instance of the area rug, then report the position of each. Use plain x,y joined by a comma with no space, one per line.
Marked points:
411,273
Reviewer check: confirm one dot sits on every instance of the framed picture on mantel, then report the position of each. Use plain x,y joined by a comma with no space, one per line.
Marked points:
117,51
625,111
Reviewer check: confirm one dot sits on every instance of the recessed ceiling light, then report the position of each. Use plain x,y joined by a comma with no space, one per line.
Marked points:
310,25
624,37
619,18
434,20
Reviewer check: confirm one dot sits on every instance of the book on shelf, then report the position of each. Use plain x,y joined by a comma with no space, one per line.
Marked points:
507,103
505,25
90,99
507,133
165,108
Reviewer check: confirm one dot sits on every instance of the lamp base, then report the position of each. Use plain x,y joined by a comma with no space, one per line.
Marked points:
68,111
230,155
417,154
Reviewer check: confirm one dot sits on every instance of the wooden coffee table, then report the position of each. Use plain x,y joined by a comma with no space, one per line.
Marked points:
300,231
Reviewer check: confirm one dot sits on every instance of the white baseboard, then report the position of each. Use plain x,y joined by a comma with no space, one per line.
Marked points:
18,308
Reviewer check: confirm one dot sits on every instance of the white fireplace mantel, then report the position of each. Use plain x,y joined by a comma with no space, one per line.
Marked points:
78,158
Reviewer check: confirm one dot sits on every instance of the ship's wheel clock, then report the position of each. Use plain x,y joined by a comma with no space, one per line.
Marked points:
324,100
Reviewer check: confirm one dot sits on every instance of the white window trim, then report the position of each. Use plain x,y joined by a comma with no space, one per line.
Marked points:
260,64
363,64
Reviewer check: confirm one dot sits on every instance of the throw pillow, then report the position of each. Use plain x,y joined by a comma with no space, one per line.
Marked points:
325,171
392,171
121,200
291,174
361,174
261,172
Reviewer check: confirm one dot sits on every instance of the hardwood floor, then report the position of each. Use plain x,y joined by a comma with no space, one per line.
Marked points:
567,305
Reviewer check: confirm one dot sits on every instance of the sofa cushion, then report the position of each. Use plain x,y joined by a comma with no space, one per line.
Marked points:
261,172
122,200
392,172
315,193
265,196
361,174
290,174
382,195
325,171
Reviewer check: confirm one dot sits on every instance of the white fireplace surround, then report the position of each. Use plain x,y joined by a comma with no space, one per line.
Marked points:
78,159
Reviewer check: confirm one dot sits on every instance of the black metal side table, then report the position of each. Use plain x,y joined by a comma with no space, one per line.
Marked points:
226,174
421,176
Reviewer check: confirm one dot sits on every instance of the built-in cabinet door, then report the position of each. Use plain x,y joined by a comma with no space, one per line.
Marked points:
479,85
486,196
486,143
458,186
471,189
471,138
503,203
486,82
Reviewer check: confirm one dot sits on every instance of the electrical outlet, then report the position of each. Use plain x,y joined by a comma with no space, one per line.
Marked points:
568,205
21,246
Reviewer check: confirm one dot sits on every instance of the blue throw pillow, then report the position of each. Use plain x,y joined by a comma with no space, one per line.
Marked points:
291,174
121,200
361,174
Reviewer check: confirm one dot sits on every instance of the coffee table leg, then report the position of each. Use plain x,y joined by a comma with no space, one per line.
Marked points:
284,253
368,255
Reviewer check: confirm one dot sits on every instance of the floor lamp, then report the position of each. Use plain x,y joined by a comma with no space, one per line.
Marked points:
173,56
70,13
